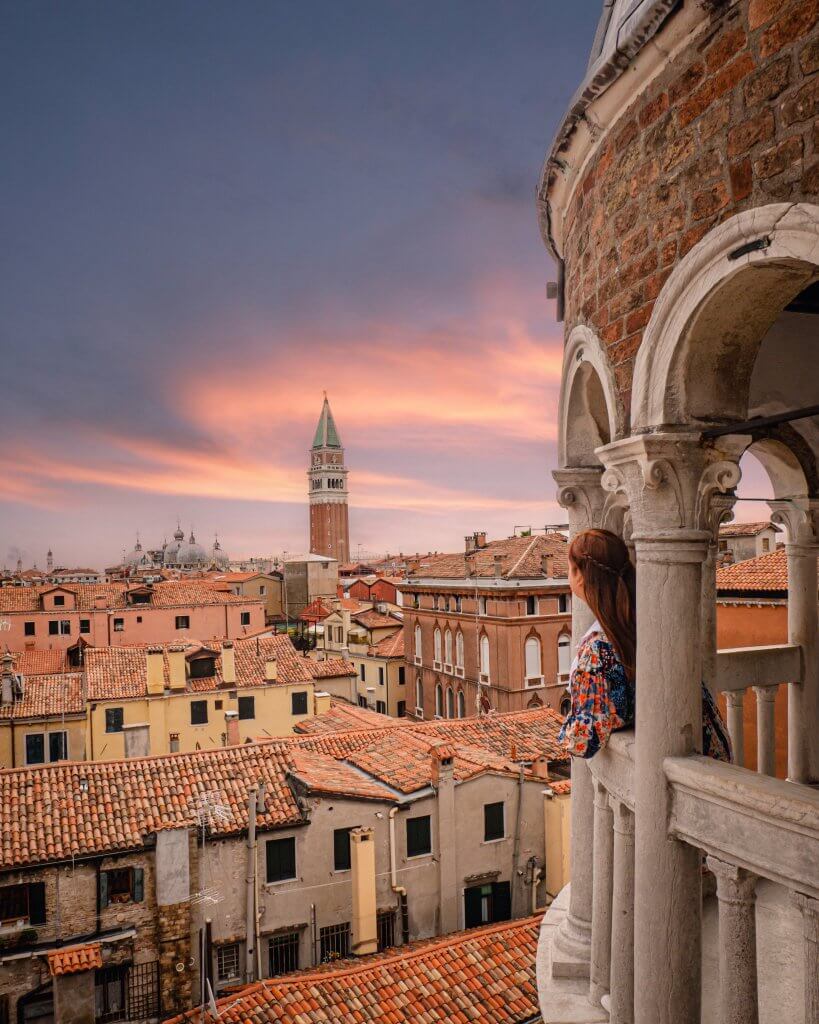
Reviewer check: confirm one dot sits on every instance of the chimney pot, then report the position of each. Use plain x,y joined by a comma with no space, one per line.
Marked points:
498,564
232,728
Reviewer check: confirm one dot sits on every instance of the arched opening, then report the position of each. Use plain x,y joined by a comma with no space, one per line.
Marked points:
439,701
564,657
533,669
484,655
459,650
461,704
436,646
419,694
589,413
450,703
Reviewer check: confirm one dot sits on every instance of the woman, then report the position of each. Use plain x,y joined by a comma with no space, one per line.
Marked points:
603,673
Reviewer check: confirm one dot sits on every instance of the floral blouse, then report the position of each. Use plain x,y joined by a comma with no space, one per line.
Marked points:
603,700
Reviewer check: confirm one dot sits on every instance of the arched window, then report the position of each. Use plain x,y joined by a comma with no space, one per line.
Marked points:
533,672
419,693
436,644
484,658
450,703
564,655
439,701
417,644
461,704
565,705
458,603
459,649
481,606
448,648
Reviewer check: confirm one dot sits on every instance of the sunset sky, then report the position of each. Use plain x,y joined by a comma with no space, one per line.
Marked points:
211,212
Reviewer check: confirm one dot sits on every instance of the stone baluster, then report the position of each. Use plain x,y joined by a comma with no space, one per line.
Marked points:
580,493
801,518
603,878
736,896
765,729
669,480
735,701
810,932
622,918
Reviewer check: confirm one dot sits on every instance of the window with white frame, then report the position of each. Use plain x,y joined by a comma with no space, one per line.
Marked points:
448,648
532,659
439,701
564,655
450,703
417,644
461,704
459,651
227,962
484,647
481,606
436,647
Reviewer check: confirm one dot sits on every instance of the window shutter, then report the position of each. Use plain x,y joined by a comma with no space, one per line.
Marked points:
36,903
472,907
103,889
501,902
139,885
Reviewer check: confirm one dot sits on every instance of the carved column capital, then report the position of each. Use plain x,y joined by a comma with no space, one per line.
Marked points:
800,516
734,884
672,483
580,493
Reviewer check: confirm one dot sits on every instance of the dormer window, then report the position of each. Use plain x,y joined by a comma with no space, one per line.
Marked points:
202,666
59,600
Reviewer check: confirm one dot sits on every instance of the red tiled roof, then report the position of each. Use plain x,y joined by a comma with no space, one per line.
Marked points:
47,697
39,663
343,717
121,672
315,611
767,573
483,976
330,668
375,620
561,787
322,774
350,604
72,959
520,559
170,594
746,529
391,646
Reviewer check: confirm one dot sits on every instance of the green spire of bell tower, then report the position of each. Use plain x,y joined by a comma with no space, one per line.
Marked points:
326,433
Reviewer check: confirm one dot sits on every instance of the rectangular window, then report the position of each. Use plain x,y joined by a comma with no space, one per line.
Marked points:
385,923
281,859
121,885
486,904
362,671
493,822
284,953
341,849
380,675
119,625
247,707
563,603
53,627
29,628
113,719
109,993
419,836
481,606
298,703
401,708
244,618
262,591
58,746
227,962
381,707
23,902
139,618
59,601
65,627
35,748
183,622
199,712
335,942
85,625
401,675
531,605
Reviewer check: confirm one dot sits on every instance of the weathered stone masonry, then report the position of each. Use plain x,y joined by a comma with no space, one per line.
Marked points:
729,124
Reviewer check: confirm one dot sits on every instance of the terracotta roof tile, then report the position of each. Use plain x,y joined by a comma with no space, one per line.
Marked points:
521,558
323,774
343,717
746,529
315,611
170,594
72,959
391,646
484,976
765,574
47,697
40,663
329,668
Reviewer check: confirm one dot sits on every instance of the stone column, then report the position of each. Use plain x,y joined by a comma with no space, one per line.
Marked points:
801,518
603,879
765,730
810,931
580,493
669,480
622,918
736,894
735,702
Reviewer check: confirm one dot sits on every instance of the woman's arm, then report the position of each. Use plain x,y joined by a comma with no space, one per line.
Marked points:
592,715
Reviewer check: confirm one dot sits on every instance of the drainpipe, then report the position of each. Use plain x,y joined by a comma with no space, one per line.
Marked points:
257,914
516,844
398,889
250,889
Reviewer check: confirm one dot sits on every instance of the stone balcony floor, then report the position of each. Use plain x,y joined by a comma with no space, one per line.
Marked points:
779,959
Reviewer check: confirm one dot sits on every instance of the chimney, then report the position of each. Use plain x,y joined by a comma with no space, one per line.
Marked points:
322,702
271,670
547,565
176,666
100,601
540,767
444,782
232,728
173,743
155,666
137,739
228,663
469,544
498,564
362,863
7,691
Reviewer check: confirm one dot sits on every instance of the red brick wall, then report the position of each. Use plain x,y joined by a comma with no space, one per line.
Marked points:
730,124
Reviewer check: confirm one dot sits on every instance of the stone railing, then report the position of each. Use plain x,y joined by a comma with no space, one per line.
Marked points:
763,670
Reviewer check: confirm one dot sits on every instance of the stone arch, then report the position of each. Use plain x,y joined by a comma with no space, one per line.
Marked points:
590,413
697,357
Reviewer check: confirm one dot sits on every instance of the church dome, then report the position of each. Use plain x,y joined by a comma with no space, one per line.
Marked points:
192,553
218,556
137,556
171,556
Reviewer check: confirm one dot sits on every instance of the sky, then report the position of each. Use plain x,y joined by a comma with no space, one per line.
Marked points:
211,213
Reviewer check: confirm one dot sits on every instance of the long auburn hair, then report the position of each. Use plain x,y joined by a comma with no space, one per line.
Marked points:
602,559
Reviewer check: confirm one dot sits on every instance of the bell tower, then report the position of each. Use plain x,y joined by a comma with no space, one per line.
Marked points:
329,525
